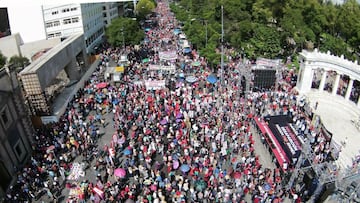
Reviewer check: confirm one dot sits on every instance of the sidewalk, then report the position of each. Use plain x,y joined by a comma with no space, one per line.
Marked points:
336,113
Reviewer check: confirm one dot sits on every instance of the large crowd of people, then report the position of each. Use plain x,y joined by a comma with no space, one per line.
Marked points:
185,142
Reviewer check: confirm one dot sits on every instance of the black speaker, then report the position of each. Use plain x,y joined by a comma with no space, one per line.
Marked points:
264,79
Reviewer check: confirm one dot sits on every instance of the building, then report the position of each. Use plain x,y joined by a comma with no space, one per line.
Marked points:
4,23
15,130
64,20
110,12
58,21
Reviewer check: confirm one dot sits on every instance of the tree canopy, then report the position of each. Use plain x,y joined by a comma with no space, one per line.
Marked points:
2,60
144,7
19,61
273,28
124,31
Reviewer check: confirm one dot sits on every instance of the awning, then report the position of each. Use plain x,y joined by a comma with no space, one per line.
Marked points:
119,69
187,50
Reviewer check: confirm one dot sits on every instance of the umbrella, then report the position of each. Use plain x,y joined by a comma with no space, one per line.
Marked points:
163,122
196,63
150,99
200,185
191,79
266,187
120,172
153,187
237,175
179,115
185,168
175,164
177,31
175,156
101,85
181,75
50,148
145,60
147,182
178,120
212,79
147,29
115,101
99,192
127,151
129,201
178,84
121,140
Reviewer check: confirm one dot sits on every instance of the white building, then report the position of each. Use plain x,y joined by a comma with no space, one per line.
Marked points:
65,20
39,22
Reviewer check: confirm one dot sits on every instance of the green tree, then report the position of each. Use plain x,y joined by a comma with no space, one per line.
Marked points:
349,22
212,57
261,13
333,44
19,62
314,16
2,60
144,7
124,30
331,13
298,24
265,42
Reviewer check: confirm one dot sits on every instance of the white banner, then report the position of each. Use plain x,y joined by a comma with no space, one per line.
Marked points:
154,84
268,62
138,82
48,119
160,67
168,55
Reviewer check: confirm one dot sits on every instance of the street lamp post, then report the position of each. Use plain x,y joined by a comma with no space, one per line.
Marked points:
206,33
123,38
222,45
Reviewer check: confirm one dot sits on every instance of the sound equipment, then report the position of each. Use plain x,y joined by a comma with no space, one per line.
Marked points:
264,79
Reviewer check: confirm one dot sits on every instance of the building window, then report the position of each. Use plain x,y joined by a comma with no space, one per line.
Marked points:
5,117
49,24
65,10
104,15
19,150
73,9
54,12
50,35
67,21
56,23
75,20
105,22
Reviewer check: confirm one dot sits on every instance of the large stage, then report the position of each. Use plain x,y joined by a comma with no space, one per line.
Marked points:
285,140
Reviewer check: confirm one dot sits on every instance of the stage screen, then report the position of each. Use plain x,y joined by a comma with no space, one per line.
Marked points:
264,79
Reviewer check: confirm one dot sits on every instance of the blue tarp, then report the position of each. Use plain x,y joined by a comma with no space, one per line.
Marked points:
187,50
